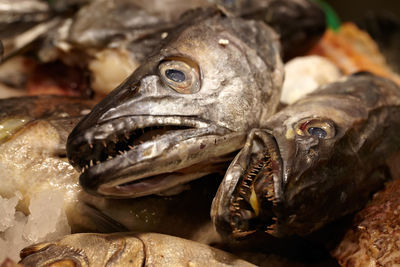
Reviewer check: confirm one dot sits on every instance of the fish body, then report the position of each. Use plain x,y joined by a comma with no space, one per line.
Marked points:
315,161
146,249
182,113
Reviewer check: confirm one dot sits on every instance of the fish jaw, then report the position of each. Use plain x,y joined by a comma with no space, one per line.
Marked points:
152,154
208,114
324,177
253,184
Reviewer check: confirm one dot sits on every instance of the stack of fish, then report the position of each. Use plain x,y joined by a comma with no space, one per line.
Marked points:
202,102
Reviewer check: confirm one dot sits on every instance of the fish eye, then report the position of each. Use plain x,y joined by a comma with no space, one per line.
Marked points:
180,74
321,128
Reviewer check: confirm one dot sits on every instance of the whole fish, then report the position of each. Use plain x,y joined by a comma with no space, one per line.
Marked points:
127,249
315,161
182,114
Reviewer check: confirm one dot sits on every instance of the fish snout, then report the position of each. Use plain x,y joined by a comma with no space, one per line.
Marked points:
249,203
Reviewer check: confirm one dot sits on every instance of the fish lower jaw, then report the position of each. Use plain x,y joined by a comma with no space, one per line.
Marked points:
254,200
153,176
244,222
156,184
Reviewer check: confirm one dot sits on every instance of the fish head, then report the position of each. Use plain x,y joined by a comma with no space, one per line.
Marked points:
188,105
86,250
312,163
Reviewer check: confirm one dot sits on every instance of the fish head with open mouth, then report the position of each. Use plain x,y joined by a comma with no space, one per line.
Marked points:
181,114
315,161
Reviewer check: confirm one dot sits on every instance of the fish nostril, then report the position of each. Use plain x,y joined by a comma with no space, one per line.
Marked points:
134,88
127,91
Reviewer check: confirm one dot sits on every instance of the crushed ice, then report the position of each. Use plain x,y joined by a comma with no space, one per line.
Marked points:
44,223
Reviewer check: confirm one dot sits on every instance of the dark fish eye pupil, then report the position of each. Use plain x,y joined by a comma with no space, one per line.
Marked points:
319,132
175,75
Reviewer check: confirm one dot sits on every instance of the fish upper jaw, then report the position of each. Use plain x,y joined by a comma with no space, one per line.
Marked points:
116,156
246,199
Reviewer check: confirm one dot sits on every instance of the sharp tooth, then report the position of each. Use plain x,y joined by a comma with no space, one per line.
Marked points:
109,157
104,143
120,152
91,146
130,147
91,163
86,166
97,162
126,135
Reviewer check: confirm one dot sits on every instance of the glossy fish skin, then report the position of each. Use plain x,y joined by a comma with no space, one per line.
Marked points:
315,161
17,16
299,23
211,99
127,249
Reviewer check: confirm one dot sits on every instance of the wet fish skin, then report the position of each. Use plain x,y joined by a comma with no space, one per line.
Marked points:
299,23
227,97
302,181
126,249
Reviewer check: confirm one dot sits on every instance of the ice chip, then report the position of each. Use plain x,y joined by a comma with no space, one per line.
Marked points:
7,211
46,222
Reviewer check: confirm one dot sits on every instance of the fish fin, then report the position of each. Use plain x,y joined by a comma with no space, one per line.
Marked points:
102,222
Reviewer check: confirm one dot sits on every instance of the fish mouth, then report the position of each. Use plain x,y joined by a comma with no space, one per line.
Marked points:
138,155
255,195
